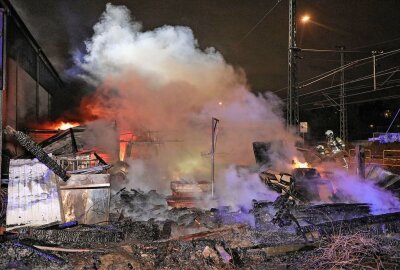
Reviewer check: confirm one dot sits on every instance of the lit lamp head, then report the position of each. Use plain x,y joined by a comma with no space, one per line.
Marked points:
305,19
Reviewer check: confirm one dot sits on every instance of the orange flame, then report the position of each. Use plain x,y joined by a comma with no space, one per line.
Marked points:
125,138
297,164
61,125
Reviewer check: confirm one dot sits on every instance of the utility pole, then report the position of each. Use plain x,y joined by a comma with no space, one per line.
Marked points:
292,109
342,105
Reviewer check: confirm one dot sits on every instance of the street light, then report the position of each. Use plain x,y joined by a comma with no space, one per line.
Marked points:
305,19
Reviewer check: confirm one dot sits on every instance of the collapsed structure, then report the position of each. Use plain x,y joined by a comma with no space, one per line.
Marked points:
60,203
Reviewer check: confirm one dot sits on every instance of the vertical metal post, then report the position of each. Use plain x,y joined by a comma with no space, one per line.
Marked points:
214,124
343,112
292,109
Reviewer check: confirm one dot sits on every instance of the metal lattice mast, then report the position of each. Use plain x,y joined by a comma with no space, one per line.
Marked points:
342,110
292,110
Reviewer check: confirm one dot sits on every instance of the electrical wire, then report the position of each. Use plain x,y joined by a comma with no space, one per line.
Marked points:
394,118
355,102
334,87
379,74
364,86
331,72
379,43
352,95
259,21
341,68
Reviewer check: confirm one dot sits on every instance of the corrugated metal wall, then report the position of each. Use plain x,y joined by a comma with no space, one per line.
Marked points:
30,80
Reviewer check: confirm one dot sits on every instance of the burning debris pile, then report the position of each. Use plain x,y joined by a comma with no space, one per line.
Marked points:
146,229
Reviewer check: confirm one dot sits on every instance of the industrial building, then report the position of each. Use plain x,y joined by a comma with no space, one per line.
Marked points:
29,81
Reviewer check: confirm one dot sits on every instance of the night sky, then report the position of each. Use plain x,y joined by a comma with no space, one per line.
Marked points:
60,27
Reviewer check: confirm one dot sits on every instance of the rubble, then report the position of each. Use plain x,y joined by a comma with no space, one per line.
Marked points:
188,194
101,228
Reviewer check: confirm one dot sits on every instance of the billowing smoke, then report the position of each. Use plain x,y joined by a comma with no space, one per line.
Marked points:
353,189
101,133
163,87
239,186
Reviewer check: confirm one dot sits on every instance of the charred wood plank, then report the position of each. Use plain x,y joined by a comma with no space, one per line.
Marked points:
100,159
210,233
76,236
378,224
73,250
286,248
38,152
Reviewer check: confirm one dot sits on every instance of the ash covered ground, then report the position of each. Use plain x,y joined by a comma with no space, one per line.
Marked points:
145,234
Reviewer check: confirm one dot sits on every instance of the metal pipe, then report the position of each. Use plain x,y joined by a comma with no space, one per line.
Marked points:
214,123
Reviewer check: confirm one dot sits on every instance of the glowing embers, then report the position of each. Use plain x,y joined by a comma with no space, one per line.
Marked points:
188,194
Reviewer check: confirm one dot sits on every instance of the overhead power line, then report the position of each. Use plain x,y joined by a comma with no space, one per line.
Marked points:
357,102
339,69
378,43
259,21
354,94
331,72
379,74
333,51
334,87
352,102
359,87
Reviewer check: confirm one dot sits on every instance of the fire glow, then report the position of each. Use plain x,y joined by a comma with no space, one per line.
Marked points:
297,164
60,125
125,138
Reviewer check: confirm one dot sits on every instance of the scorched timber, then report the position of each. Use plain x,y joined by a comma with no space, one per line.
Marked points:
378,224
38,152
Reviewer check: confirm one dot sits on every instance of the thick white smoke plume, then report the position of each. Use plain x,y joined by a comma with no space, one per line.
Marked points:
160,82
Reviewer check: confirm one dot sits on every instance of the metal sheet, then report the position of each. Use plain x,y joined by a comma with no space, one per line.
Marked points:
86,198
33,197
